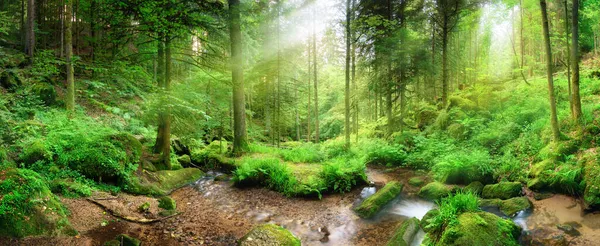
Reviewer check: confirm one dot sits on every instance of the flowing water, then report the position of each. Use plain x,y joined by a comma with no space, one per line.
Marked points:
331,221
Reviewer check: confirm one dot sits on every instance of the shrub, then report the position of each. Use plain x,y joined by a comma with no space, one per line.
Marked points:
268,172
379,152
305,153
342,175
427,151
463,167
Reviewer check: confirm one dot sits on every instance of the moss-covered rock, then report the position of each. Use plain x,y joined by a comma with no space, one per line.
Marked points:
480,228
185,161
370,206
426,117
405,234
144,208
435,190
269,234
34,151
162,182
416,181
538,168
28,208
591,178
559,150
502,190
426,219
213,161
167,203
46,92
457,131
508,207
474,187
462,103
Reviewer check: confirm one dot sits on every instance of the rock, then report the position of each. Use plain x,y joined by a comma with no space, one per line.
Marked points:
429,215
405,234
185,160
591,178
46,92
480,228
126,240
543,236
435,190
502,190
542,195
179,147
370,206
474,187
267,235
222,177
167,203
144,208
416,181
162,182
28,207
569,229
508,207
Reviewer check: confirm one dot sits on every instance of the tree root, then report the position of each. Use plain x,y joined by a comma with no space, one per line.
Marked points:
128,218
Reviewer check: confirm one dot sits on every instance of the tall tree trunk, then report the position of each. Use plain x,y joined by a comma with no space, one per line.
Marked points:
240,142
23,32
354,87
553,117
166,138
278,73
575,64
62,28
347,87
70,99
30,47
445,64
93,32
160,71
309,94
568,56
316,82
522,43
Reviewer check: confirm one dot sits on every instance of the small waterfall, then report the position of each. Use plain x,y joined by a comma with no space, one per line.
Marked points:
367,192
412,208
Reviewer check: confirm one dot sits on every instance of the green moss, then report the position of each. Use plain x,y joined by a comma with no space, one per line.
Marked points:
162,182
269,234
46,92
480,228
462,103
510,206
112,243
27,207
457,131
167,203
370,206
427,219
503,190
591,179
185,160
126,240
405,234
70,188
35,151
537,169
474,187
144,208
416,181
559,150
435,190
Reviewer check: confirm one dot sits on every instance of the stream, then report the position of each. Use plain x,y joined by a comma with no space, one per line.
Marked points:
331,221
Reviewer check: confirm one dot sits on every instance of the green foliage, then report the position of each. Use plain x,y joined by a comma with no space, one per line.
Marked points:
269,172
305,153
463,167
449,210
167,203
341,175
379,152
502,190
427,150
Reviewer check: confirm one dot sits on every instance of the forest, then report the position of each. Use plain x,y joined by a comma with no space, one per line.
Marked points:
300,122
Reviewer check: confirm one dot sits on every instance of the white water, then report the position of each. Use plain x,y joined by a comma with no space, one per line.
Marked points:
412,208
367,192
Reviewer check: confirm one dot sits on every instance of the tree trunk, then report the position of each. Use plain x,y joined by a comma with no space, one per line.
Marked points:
522,43
354,88
309,94
575,64
347,87
30,46
166,133
160,71
568,56
445,64
316,83
70,99
553,117
240,142
23,32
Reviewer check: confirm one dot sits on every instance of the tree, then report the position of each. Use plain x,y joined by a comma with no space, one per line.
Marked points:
576,99
70,100
240,142
316,82
30,36
347,88
548,48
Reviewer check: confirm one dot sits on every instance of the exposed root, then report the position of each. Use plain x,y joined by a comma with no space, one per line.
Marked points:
128,218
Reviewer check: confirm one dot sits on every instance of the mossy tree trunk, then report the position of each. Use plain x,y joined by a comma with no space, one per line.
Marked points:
160,70
548,48
70,99
30,43
316,82
347,88
240,142
576,99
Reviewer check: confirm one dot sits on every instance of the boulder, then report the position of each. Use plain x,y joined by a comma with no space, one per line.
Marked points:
435,190
185,161
162,182
510,206
591,178
474,187
480,228
502,190
28,207
267,235
405,234
370,206
167,203
416,181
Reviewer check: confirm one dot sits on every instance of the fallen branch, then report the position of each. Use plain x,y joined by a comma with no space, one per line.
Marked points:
128,218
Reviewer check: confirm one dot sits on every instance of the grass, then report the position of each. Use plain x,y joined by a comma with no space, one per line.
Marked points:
449,210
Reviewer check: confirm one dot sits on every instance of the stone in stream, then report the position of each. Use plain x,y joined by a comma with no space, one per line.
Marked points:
370,206
405,234
502,190
474,187
267,235
480,228
416,181
508,207
435,190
